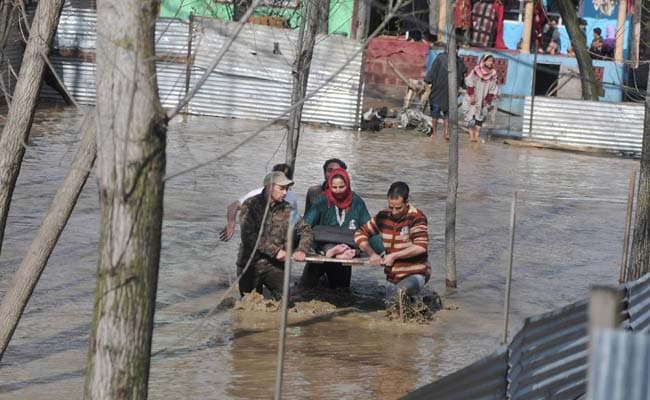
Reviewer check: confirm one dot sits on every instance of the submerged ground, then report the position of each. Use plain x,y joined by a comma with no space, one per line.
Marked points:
570,219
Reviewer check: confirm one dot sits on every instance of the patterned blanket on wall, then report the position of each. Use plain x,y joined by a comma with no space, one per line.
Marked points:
484,18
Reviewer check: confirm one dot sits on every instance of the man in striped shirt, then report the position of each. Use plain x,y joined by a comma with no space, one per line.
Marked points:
404,231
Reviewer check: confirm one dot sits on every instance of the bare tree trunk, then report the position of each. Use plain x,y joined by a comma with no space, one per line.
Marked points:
301,66
21,110
131,137
323,17
30,270
590,86
641,239
7,14
452,174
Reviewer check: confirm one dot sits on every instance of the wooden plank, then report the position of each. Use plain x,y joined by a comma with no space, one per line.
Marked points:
322,259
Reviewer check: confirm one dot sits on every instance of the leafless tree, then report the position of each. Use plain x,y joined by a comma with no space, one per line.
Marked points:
21,110
16,298
131,137
301,67
590,86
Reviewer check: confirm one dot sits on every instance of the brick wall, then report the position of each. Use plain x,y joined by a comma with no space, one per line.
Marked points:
408,57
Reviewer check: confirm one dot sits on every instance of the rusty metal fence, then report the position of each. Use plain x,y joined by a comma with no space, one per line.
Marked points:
252,81
547,357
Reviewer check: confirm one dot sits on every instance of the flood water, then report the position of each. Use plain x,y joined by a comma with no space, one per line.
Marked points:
570,219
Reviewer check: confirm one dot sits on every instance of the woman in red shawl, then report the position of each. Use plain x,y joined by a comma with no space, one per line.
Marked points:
334,217
482,90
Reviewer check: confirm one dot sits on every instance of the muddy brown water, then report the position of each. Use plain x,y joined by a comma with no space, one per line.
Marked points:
569,232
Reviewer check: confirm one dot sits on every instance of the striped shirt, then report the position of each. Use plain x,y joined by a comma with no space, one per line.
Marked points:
411,229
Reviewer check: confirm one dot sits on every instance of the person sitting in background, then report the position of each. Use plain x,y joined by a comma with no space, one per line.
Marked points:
597,34
551,33
596,49
552,48
609,44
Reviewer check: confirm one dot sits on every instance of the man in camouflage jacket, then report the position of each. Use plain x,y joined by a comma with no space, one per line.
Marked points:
267,264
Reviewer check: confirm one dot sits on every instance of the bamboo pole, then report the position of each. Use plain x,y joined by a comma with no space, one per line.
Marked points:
279,372
528,27
506,311
624,273
620,31
442,21
452,169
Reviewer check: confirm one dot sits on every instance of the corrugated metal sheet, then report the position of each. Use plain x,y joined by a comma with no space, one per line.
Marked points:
548,356
617,127
483,380
171,83
77,30
79,77
250,82
254,83
620,366
172,38
638,298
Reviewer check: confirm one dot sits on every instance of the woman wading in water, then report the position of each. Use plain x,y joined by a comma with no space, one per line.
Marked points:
482,91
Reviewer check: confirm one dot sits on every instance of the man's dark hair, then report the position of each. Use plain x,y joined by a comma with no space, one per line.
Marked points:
284,168
333,160
598,31
397,190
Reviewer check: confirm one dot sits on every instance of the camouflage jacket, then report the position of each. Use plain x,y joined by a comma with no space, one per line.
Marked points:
274,234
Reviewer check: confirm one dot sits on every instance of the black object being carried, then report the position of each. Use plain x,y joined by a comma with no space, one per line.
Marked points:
324,234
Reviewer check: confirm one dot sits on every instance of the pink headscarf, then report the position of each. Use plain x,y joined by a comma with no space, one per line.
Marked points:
483,72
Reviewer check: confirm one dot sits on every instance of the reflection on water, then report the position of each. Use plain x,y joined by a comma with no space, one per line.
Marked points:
569,230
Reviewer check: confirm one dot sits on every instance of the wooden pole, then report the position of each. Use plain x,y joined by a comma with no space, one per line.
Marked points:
363,19
279,372
532,96
528,27
506,311
442,20
604,308
452,174
624,273
636,34
188,67
620,31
